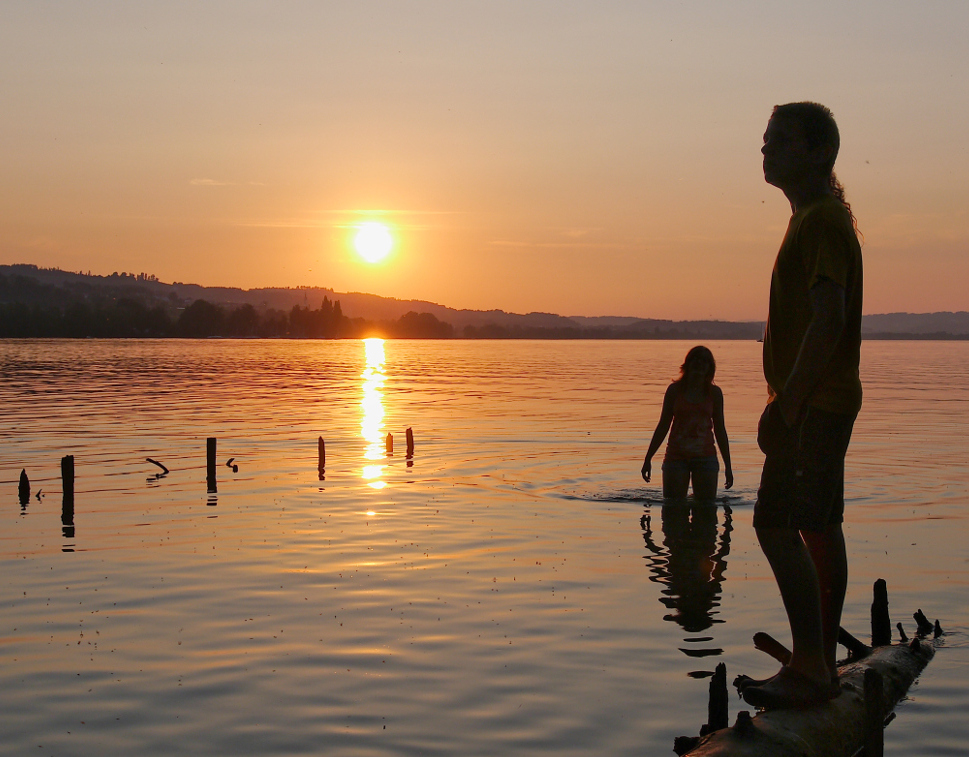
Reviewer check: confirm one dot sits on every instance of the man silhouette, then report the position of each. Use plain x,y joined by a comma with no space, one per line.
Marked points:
811,356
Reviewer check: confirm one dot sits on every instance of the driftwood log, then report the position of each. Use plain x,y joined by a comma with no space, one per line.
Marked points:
872,682
834,729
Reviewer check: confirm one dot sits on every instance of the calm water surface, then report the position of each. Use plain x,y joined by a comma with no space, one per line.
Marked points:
514,588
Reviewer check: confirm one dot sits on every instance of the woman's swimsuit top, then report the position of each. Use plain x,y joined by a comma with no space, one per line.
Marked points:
691,434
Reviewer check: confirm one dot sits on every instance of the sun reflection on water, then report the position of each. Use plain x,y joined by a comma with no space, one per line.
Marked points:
372,403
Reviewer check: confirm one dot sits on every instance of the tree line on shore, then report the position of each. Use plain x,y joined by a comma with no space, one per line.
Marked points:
131,318
51,303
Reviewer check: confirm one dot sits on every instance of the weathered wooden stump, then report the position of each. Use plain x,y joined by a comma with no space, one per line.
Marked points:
321,452
881,624
924,626
717,710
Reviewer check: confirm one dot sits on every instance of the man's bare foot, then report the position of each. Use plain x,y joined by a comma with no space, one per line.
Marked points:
790,689
742,681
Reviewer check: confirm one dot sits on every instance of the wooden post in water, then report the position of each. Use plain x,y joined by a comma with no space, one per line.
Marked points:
881,624
67,477
321,466
924,626
410,442
717,712
23,489
390,444
874,717
67,505
210,444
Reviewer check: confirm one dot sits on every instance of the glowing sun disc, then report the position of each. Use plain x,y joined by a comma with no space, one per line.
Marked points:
373,241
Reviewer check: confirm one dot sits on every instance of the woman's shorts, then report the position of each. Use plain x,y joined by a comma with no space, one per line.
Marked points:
802,485
693,465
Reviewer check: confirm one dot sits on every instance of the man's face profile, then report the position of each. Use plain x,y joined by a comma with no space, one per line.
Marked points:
787,158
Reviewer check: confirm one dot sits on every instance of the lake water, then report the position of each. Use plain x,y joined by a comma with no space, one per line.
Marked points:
514,588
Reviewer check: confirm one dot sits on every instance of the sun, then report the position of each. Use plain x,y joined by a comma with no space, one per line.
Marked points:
373,241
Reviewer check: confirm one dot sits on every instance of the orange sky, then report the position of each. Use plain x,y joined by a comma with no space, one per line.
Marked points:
573,157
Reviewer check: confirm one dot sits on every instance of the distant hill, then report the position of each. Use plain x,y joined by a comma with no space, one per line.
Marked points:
908,325
44,287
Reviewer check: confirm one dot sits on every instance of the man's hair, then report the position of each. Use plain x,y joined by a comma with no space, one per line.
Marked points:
819,128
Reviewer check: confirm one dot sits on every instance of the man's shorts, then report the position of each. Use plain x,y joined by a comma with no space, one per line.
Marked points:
693,465
802,485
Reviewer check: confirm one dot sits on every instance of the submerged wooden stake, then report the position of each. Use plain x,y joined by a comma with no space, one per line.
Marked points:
210,445
67,477
410,442
389,444
67,505
321,450
24,487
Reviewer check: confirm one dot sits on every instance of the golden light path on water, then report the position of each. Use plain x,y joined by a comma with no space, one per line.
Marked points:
372,404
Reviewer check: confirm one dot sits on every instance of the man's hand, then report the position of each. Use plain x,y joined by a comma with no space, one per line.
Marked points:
727,478
789,409
819,343
647,470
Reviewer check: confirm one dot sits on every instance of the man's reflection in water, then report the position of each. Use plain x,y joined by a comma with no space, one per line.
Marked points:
690,564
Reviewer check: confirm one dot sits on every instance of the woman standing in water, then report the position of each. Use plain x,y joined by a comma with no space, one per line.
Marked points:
693,406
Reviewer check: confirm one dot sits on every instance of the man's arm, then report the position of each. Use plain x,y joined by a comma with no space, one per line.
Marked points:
817,347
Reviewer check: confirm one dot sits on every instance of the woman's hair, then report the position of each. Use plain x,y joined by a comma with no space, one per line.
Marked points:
819,128
696,353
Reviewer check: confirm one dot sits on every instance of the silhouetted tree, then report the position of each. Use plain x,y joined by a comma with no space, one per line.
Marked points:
243,321
326,322
421,326
201,319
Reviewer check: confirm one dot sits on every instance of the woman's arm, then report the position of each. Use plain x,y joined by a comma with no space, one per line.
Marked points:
662,428
720,432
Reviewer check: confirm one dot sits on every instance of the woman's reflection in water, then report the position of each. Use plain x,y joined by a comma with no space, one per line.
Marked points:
690,564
